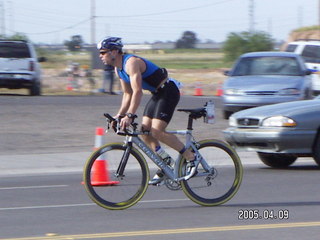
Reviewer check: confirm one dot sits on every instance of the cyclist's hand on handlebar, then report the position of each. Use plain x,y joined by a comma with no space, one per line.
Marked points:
116,122
125,122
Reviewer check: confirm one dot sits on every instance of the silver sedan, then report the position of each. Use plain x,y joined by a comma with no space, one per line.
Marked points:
262,78
279,133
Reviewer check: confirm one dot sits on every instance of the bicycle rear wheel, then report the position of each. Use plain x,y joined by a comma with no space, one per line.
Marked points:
103,183
221,182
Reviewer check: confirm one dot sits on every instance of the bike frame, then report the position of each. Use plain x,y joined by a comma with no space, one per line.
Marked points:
171,173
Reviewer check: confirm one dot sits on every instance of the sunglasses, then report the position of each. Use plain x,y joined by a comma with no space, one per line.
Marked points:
103,52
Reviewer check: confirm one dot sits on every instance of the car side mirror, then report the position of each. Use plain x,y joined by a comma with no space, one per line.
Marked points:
308,72
226,73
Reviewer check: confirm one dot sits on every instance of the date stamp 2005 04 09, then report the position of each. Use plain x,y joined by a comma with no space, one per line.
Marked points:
267,214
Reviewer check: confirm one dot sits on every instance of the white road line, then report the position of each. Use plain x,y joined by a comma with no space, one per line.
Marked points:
82,205
33,187
48,206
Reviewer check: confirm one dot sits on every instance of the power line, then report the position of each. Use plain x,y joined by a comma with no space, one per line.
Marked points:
93,17
62,29
165,12
251,16
93,21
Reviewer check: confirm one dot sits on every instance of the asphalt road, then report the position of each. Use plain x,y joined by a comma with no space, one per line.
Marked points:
54,205
67,123
57,205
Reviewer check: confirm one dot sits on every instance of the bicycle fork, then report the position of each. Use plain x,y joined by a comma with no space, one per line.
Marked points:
124,160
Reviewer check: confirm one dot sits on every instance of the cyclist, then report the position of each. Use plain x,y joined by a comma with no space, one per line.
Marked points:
137,74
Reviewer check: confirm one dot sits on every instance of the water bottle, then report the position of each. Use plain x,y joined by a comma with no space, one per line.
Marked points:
210,112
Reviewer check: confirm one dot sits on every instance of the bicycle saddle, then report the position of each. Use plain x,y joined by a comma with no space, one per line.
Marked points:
194,112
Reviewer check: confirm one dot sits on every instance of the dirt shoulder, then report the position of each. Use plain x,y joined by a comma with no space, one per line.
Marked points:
208,80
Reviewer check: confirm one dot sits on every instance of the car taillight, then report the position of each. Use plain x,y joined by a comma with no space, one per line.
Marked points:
31,66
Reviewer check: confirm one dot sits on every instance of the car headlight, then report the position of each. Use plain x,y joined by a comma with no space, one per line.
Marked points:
289,91
279,121
233,91
232,122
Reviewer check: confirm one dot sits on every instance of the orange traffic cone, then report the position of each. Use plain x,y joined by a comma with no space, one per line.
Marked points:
198,90
69,85
100,173
100,176
99,141
219,90
69,88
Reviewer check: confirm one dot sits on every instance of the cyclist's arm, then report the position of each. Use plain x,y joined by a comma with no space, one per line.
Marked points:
126,98
134,68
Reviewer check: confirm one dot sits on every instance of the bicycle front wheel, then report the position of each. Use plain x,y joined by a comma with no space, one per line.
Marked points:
217,181
106,185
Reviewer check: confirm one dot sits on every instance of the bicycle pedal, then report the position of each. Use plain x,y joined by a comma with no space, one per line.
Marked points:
156,182
160,184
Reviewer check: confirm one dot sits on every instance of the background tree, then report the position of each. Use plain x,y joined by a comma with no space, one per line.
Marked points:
239,43
188,40
75,44
16,36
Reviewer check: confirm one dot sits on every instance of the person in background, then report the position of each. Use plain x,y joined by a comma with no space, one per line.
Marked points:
108,79
89,75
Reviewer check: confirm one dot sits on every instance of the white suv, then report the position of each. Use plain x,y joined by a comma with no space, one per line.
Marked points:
19,67
310,51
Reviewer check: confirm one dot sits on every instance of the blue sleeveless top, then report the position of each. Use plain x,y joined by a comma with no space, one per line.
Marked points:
151,77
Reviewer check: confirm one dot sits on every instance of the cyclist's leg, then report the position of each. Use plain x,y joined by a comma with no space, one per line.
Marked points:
152,110
153,144
149,139
158,131
157,110
158,113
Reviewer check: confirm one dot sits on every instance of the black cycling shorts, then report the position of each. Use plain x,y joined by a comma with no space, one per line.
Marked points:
163,102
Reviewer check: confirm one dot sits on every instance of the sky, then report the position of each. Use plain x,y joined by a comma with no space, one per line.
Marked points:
147,21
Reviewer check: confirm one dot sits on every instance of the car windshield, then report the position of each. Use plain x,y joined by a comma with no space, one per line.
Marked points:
267,66
291,47
14,50
311,54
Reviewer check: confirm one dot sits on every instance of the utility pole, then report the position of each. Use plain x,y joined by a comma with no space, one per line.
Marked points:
93,22
2,19
319,18
10,16
300,16
251,16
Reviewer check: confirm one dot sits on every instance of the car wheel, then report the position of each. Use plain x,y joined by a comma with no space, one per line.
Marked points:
277,160
35,89
316,150
226,114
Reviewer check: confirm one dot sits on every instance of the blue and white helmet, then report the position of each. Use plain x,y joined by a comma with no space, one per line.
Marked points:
111,43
